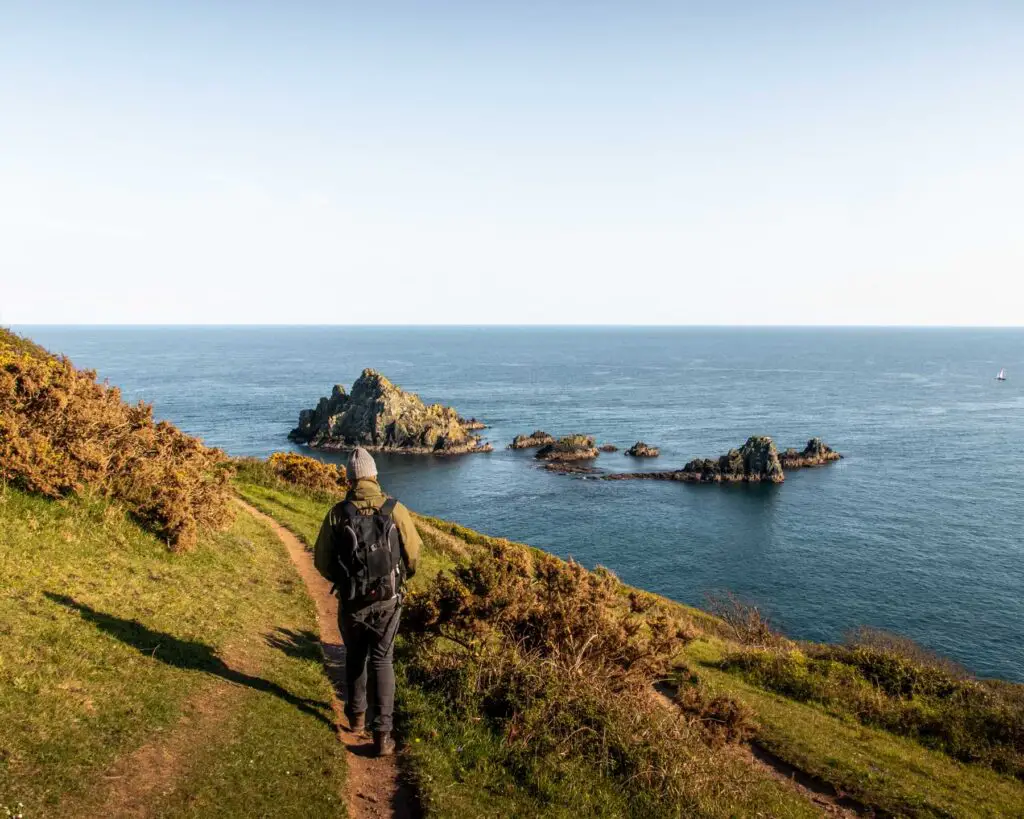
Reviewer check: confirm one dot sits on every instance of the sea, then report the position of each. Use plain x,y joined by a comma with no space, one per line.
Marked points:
918,530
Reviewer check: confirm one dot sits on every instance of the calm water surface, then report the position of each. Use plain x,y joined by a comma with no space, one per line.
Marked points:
917,531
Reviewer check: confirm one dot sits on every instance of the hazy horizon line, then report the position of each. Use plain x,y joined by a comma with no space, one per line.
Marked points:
512,326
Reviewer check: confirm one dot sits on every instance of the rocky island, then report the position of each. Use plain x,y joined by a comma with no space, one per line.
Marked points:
642,450
381,417
535,439
563,454
756,461
816,453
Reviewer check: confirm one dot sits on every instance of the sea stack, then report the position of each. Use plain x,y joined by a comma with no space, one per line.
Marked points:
381,417
642,450
756,461
570,448
816,453
536,438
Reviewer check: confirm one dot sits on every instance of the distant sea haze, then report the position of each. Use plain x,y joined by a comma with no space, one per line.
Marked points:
918,530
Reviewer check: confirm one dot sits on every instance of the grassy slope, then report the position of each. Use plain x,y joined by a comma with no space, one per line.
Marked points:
459,770
107,640
885,771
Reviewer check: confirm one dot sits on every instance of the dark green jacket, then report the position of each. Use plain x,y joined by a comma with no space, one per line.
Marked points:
367,494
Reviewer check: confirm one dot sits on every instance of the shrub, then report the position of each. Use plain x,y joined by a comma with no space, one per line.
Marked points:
560,662
720,719
744,622
309,473
61,431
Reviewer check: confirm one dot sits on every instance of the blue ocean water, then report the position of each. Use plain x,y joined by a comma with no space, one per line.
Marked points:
917,531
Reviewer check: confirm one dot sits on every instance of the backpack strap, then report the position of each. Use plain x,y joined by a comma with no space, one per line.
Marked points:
388,507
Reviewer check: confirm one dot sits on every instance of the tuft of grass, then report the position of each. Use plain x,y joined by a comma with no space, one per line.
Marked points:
107,641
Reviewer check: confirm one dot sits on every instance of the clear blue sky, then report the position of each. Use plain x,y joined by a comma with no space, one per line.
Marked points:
676,163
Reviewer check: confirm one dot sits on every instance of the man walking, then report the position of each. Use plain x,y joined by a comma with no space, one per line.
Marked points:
368,546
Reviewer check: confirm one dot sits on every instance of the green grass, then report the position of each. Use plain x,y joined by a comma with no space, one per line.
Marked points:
463,767
879,769
299,512
106,640
460,766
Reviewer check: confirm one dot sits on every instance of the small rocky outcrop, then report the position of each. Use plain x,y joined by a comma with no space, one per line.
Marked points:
642,450
571,468
536,438
381,417
816,453
569,448
608,448
472,424
756,461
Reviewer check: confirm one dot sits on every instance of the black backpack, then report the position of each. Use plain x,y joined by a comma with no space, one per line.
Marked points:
368,551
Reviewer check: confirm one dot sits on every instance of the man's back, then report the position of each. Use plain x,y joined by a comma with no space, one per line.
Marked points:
368,626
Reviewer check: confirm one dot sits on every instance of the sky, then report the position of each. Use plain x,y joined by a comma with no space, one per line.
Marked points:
512,163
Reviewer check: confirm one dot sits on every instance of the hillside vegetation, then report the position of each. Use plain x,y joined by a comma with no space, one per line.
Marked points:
135,681
62,432
532,687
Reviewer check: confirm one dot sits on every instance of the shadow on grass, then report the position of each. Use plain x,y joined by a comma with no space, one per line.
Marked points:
303,645
187,654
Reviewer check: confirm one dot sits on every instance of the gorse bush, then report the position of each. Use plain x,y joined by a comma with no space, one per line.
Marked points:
744,622
892,684
559,661
291,472
309,473
61,432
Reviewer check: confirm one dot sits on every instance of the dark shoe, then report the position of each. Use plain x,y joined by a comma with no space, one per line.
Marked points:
357,722
383,744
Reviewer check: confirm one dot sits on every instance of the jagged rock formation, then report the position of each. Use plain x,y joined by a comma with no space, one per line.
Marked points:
472,424
381,417
536,438
642,450
608,448
756,461
816,453
569,448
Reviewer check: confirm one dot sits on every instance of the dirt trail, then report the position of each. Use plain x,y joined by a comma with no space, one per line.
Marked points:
133,786
375,788
815,790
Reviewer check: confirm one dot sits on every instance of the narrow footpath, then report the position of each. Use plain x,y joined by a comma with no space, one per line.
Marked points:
375,787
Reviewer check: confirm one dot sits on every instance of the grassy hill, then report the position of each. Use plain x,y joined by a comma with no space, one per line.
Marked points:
158,656
133,678
802,707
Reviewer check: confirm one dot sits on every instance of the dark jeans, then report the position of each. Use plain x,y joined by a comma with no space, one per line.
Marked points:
369,635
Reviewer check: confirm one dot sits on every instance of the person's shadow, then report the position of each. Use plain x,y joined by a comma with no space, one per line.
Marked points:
187,654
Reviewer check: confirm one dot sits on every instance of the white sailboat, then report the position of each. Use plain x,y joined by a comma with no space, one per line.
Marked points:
1001,376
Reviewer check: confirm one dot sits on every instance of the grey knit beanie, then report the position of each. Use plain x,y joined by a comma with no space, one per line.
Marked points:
361,464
